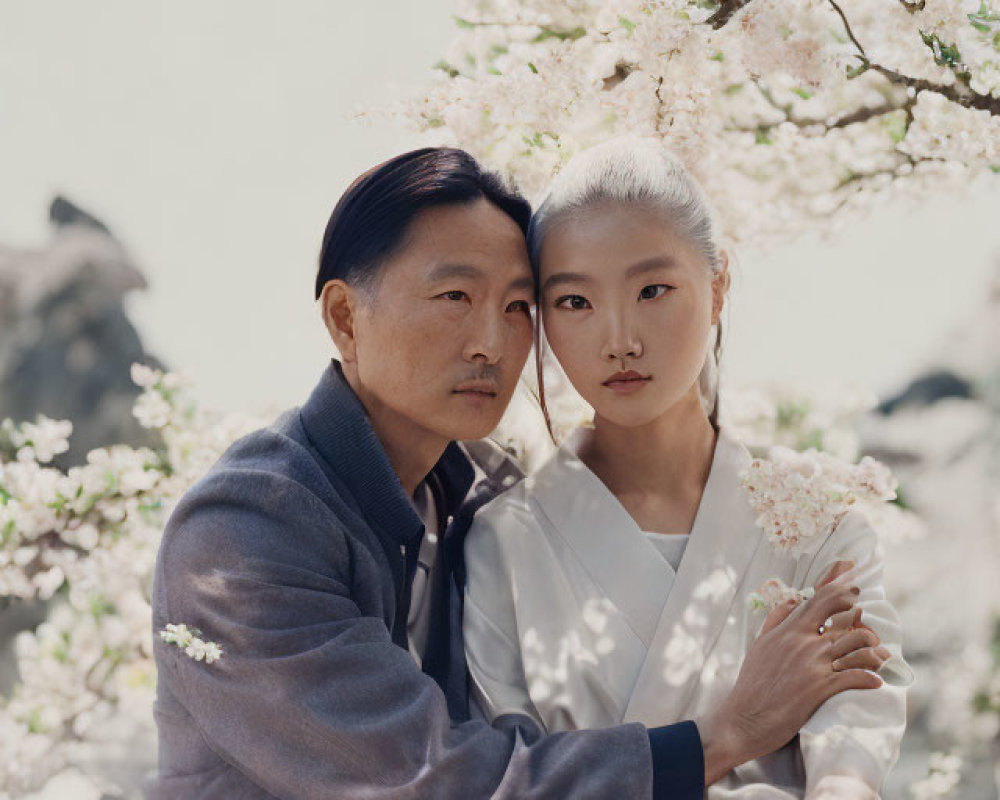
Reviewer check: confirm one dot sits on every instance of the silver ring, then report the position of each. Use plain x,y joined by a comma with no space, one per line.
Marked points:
825,626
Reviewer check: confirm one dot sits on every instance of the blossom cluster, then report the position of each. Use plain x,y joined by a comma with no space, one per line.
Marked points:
787,113
190,642
85,540
800,497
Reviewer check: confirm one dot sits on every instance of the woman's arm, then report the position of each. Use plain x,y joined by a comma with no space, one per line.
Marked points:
852,741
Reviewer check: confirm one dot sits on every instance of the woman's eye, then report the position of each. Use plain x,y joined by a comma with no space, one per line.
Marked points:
653,291
575,302
520,305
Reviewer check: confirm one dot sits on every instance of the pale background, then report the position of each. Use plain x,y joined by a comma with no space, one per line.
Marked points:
214,139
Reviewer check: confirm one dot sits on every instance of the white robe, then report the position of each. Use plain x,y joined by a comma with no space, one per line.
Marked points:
573,617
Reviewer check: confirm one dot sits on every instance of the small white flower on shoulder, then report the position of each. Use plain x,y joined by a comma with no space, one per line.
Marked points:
212,652
190,641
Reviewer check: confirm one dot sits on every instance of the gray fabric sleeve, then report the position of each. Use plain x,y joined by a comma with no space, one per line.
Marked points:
311,699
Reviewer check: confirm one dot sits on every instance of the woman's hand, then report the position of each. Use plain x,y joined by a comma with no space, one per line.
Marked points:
806,653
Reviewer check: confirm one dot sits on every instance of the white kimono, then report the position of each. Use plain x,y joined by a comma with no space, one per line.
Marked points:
574,617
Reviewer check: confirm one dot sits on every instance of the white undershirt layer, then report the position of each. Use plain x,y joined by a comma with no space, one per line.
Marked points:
418,621
669,545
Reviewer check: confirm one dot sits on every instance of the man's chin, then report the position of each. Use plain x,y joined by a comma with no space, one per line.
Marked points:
470,427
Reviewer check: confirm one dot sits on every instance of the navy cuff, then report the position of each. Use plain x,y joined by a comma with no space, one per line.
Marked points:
678,762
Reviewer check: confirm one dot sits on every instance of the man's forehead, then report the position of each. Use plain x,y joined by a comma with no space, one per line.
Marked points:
448,270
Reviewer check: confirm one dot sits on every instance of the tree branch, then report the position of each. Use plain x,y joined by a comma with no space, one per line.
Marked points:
824,126
964,96
725,12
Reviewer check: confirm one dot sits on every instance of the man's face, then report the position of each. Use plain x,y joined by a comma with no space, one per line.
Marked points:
440,347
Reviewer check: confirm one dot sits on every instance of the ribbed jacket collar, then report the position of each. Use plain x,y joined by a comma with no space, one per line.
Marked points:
338,426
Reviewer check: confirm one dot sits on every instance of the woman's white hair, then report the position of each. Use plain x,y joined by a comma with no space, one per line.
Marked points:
636,171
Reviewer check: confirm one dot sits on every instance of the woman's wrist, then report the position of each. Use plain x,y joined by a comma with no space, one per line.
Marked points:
722,745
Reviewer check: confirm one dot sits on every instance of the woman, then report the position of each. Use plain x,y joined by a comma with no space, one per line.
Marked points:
612,585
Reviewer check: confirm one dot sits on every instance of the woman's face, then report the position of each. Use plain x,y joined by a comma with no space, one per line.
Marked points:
627,307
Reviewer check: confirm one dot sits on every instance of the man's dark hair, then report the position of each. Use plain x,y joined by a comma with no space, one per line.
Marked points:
370,221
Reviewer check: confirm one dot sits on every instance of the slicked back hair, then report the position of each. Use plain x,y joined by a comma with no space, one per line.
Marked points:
370,221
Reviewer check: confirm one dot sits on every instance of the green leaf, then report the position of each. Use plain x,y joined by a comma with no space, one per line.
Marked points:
763,136
896,125
35,721
853,72
557,33
4,495
717,56
446,68
733,88
791,413
627,24
981,20
99,606
494,71
533,68
805,94
462,23
901,500
995,168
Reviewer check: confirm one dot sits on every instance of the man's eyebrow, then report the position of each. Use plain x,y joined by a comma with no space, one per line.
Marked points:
650,264
524,282
442,272
565,277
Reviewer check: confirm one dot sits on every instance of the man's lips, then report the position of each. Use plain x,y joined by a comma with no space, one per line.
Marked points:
481,388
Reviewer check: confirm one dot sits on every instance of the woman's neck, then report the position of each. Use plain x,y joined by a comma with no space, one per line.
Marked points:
659,470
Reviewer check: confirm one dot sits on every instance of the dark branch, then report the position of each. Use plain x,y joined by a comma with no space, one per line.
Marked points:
959,93
963,97
847,27
824,126
725,12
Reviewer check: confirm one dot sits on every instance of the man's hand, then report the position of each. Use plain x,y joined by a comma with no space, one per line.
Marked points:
790,670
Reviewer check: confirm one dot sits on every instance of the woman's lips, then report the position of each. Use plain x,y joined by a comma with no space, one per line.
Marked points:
626,382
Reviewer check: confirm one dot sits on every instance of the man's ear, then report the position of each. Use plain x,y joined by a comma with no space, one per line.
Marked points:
720,287
339,304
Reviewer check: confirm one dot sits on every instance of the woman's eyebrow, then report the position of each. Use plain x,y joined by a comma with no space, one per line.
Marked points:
565,277
649,265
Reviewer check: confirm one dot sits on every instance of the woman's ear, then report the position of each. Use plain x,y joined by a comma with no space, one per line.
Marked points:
339,304
720,287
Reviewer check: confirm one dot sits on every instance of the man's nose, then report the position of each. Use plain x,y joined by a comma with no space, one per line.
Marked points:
485,337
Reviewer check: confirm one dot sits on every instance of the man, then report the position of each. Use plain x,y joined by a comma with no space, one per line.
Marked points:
324,553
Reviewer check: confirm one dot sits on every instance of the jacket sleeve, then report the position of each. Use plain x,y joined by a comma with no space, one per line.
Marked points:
311,699
852,741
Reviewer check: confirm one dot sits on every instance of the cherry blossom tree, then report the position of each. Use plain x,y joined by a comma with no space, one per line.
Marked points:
790,114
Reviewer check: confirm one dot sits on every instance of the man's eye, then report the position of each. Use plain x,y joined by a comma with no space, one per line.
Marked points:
575,302
653,291
455,294
520,305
